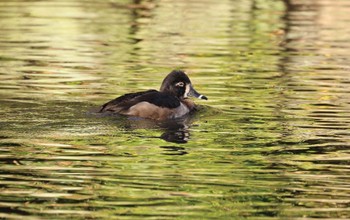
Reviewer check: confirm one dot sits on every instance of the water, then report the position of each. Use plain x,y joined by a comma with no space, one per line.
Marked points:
272,141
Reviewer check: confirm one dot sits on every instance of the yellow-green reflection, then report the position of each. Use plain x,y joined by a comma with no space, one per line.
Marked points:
271,142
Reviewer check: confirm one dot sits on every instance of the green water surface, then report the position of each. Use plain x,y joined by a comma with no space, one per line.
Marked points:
272,141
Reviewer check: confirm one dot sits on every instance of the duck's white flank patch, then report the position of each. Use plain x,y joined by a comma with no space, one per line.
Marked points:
187,90
180,111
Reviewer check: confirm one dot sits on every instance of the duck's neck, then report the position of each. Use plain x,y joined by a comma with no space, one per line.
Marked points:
190,104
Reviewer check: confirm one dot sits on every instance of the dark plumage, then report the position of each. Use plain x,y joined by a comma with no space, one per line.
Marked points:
170,102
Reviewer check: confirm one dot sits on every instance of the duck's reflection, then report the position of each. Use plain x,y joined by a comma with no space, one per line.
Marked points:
176,136
175,131
174,150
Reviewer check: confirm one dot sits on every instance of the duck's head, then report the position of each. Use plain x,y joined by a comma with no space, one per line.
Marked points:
177,83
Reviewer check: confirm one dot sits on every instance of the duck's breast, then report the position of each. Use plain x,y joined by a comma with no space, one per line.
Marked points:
180,111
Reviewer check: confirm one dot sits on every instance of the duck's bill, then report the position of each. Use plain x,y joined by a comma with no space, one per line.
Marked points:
194,93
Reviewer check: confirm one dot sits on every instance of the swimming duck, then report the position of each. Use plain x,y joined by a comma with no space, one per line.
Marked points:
170,102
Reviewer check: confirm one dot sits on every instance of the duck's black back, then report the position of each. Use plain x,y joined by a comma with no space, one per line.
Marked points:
154,97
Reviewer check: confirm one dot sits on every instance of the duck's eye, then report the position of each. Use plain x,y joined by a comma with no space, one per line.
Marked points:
180,84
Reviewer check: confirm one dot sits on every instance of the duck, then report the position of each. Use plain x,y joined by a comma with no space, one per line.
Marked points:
170,102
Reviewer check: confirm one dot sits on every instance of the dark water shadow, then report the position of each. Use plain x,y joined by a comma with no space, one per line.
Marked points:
174,130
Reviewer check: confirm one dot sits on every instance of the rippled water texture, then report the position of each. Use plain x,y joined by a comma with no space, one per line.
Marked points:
272,141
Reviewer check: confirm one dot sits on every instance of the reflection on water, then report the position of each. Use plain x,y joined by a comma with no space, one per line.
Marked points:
176,131
271,142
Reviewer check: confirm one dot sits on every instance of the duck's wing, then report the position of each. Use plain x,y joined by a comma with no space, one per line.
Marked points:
154,97
118,104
